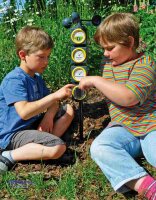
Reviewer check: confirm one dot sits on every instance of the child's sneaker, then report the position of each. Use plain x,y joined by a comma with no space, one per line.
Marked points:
5,164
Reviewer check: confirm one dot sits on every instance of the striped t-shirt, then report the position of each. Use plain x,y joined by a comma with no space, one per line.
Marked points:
139,76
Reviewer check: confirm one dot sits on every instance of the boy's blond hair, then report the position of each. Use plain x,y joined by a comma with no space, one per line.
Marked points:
117,28
32,39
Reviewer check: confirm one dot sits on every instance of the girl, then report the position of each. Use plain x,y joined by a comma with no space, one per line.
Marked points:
128,83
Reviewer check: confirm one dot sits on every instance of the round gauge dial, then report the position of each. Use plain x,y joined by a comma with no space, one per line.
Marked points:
78,55
78,36
78,94
78,73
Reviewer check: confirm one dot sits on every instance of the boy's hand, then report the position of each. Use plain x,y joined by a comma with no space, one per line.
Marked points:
46,124
65,91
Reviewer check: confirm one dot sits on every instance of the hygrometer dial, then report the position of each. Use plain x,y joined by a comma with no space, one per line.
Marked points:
78,55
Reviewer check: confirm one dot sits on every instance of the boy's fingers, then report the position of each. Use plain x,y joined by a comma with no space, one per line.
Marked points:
70,85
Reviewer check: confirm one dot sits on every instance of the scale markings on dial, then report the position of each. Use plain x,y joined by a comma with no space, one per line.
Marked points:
78,73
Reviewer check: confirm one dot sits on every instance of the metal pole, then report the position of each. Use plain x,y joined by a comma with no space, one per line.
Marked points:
81,119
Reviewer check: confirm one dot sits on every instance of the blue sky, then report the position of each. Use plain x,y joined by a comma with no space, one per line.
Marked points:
16,0
7,2
4,5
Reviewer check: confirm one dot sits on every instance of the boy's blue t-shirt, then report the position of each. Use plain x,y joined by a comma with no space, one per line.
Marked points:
17,86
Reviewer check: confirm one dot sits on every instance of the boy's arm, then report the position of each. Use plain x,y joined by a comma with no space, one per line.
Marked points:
27,110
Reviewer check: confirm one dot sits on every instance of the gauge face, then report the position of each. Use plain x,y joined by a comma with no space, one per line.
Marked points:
78,73
78,36
78,55
78,94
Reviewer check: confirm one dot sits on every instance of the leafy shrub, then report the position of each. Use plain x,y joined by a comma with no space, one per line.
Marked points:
50,19
148,32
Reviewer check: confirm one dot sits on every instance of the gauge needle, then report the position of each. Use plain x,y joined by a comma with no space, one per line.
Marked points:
80,73
80,54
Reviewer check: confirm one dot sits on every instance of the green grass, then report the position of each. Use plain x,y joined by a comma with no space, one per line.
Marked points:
81,181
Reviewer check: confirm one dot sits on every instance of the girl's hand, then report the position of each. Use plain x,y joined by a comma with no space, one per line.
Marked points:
86,82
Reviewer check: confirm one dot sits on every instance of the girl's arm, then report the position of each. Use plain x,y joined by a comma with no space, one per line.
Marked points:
117,93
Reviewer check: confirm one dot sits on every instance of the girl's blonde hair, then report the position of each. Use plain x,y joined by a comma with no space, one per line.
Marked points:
117,28
31,39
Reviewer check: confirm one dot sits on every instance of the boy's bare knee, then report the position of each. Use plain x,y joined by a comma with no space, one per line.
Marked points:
61,150
56,152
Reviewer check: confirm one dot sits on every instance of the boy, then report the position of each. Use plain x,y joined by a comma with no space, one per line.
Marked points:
27,132
129,85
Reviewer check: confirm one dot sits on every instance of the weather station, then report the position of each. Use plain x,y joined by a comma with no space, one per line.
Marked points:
79,56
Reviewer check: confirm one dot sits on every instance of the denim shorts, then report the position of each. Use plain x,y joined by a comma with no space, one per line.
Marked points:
31,135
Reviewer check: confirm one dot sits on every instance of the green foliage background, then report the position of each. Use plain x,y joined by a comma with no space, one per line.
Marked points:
49,16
